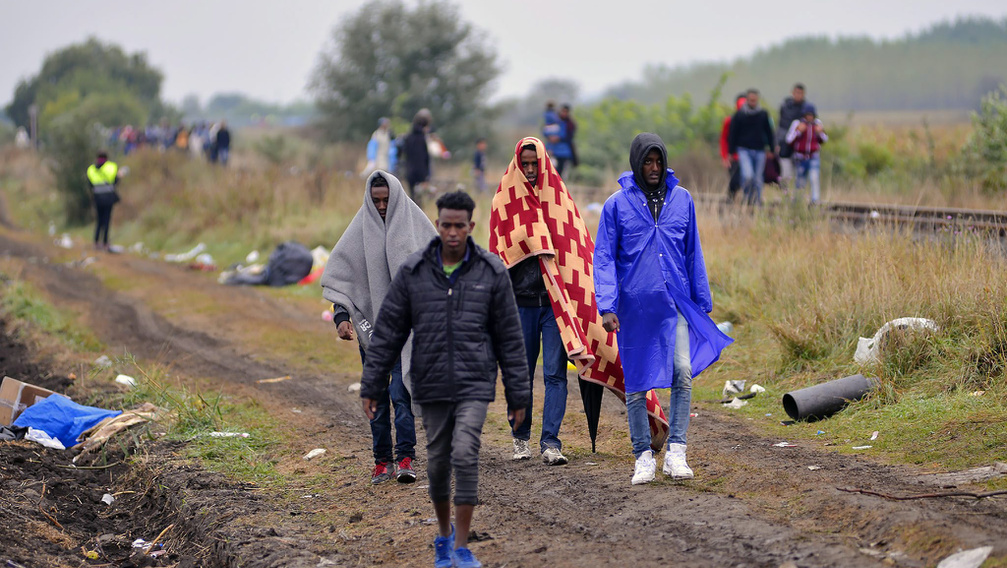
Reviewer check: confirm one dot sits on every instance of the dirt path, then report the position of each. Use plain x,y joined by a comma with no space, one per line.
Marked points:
752,505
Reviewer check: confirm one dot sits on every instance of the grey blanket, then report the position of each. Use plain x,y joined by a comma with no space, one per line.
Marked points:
369,254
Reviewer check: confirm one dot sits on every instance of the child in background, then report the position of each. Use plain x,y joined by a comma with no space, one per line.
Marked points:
806,136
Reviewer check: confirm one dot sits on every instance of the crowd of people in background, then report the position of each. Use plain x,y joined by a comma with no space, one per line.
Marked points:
200,139
754,151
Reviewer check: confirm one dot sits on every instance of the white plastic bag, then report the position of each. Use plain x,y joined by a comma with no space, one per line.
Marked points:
869,347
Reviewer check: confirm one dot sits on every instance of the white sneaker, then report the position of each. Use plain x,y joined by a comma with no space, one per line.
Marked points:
552,456
521,450
674,462
645,468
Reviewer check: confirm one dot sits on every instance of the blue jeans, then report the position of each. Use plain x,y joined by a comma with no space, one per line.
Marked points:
405,425
535,322
753,164
678,405
809,168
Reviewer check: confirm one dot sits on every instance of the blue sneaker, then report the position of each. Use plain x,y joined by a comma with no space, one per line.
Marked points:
443,547
465,559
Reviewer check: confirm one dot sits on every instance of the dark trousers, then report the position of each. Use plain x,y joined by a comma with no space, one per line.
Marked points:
453,431
405,424
103,205
539,323
734,184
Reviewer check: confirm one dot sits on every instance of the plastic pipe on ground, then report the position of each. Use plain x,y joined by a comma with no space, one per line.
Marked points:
824,400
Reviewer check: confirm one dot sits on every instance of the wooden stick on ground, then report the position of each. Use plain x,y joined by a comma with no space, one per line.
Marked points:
47,515
153,543
925,495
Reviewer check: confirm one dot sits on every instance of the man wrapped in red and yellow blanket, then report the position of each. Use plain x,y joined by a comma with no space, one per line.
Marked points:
534,216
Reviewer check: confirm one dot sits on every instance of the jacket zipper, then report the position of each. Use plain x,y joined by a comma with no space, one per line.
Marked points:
451,342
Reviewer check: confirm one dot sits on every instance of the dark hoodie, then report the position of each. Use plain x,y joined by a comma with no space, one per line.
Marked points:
638,150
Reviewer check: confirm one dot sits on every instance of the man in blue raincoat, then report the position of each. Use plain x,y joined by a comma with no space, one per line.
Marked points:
651,287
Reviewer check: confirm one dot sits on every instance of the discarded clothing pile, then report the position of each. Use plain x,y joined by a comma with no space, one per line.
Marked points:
61,418
290,262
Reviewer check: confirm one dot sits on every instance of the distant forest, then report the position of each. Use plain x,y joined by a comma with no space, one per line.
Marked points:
947,66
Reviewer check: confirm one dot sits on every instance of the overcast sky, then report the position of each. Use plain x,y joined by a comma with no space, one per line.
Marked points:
268,48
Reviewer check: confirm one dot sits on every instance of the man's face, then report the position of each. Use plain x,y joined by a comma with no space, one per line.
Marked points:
798,95
529,165
564,113
454,227
753,99
481,146
379,197
653,167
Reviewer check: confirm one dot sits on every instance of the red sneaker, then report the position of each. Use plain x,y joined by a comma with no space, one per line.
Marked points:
404,472
381,473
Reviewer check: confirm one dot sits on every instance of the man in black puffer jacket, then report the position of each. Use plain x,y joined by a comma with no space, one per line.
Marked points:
456,299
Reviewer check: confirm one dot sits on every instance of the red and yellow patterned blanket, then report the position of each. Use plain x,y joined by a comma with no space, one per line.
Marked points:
543,221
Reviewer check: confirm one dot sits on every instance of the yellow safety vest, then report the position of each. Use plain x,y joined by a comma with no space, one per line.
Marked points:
103,178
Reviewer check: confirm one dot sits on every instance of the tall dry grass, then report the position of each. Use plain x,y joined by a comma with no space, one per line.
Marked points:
814,290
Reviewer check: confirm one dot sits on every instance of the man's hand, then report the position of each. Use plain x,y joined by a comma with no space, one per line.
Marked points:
370,407
769,155
610,322
726,162
516,417
801,127
345,330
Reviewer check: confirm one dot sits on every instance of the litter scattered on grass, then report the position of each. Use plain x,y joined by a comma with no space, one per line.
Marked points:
861,447
107,499
725,327
735,403
314,453
825,399
186,256
95,437
967,558
40,437
732,388
869,348
978,393
814,467
228,434
787,422
103,361
784,445
757,389
355,387
693,415
874,435
64,241
274,380
126,380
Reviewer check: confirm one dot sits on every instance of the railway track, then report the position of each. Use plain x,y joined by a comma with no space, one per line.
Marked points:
921,218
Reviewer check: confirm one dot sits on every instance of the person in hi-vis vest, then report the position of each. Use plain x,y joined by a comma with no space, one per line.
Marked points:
102,176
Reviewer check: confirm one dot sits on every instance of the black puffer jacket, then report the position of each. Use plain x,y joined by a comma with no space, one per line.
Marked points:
460,332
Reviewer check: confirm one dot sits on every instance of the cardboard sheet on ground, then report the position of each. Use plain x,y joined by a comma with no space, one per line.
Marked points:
62,418
15,396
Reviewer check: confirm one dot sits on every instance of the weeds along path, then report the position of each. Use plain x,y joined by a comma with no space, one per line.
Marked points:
752,504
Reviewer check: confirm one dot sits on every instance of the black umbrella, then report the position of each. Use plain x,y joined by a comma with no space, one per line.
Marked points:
591,393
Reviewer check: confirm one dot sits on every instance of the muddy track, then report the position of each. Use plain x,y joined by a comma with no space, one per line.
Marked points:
765,509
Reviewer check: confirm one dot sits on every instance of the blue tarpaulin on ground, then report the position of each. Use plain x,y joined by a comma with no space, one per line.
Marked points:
62,418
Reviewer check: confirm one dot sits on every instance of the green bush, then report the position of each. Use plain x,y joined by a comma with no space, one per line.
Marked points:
875,157
73,141
985,153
